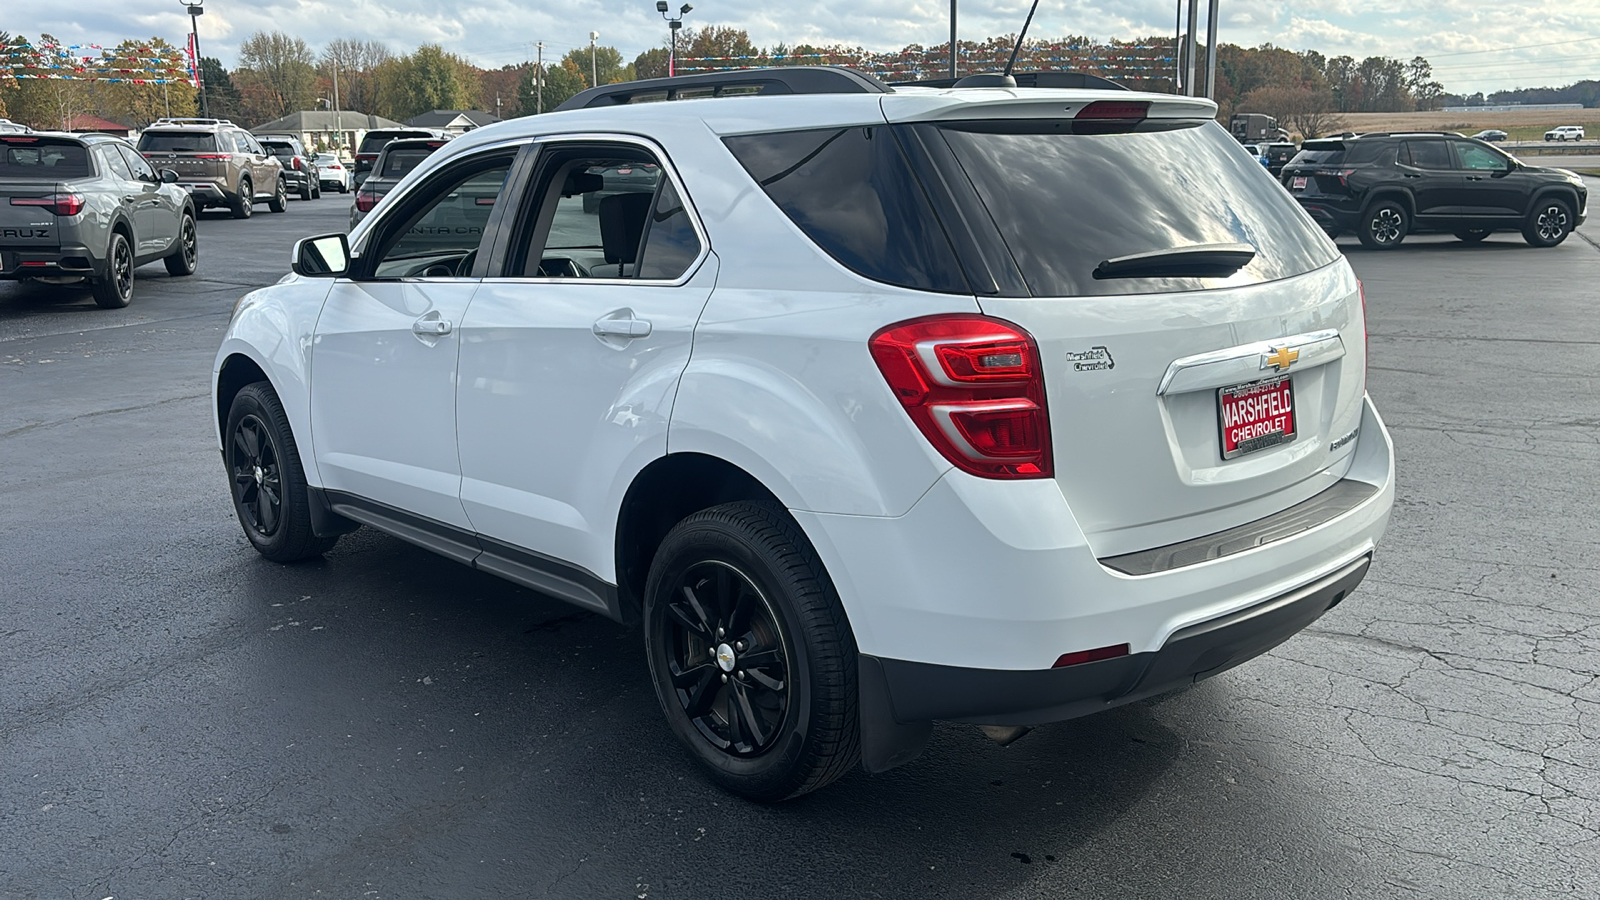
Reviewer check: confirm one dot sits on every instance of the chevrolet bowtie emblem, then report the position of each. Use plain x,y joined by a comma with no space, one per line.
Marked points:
1280,359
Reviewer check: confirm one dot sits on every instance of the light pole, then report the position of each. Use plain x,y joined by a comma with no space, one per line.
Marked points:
594,69
952,38
538,73
673,25
195,12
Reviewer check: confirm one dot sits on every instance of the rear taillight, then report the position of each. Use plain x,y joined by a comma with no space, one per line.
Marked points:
366,200
60,204
974,387
1341,174
209,156
297,165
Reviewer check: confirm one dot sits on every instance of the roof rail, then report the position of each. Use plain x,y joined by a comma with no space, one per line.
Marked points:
1377,134
182,120
780,80
1053,79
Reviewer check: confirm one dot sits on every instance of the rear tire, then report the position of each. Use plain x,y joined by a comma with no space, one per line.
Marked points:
753,660
244,205
280,198
186,255
1472,235
305,191
1383,226
115,290
1548,224
268,483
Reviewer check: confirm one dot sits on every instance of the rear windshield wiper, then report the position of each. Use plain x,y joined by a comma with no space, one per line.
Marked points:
1197,261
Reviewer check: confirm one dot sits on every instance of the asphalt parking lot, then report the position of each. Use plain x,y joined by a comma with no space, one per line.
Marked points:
181,719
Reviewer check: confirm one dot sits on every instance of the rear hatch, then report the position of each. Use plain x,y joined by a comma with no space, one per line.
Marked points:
395,162
1187,393
292,162
36,190
194,155
373,143
1322,168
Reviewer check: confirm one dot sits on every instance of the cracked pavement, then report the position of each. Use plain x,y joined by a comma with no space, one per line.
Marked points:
181,719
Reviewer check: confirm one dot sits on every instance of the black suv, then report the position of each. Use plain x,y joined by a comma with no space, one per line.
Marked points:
1386,186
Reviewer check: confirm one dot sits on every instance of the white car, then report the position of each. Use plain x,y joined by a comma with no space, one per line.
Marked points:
332,173
885,406
1565,133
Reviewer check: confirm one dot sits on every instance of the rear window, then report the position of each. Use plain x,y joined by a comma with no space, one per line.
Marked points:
397,163
282,151
177,142
43,158
1064,202
852,192
375,140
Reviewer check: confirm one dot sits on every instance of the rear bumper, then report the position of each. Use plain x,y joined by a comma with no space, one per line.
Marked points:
36,262
919,691
205,193
1330,215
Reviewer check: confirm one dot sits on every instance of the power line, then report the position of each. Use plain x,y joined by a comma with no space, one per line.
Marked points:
1509,49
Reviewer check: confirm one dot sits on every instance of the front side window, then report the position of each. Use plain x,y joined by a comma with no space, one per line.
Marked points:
141,169
438,231
114,163
1477,158
607,213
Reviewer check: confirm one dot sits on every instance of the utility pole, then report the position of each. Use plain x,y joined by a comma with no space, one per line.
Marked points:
594,69
953,38
1211,50
338,120
1194,23
1177,50
538,73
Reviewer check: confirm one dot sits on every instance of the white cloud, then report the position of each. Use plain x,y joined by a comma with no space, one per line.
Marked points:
496,32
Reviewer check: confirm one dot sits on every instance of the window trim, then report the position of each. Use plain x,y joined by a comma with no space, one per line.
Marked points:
542,143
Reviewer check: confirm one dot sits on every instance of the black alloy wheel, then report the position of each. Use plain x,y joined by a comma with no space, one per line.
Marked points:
115,290
751,654
186,256
1548,224
1472,235
1384,226
727,658
267,482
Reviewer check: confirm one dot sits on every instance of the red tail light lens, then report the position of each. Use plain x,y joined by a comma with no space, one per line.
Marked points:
297,164
209,156
60,204
1114,109
366,200
1079,657
975,389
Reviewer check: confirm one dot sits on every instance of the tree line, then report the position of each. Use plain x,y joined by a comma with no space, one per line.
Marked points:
278,74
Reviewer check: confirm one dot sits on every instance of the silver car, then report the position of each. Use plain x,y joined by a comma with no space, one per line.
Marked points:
88,207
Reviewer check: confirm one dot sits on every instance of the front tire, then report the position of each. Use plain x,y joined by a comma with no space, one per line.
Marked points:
186,255
1548,224
115,290
753,660
1384,226
268,483
280,198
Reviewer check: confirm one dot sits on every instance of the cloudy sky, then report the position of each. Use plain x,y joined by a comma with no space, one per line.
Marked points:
1473,45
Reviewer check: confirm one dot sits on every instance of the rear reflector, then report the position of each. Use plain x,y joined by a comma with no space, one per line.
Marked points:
1114,109
366,200
1079,657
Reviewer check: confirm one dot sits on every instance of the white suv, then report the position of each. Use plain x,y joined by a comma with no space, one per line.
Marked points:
1565,133
872,406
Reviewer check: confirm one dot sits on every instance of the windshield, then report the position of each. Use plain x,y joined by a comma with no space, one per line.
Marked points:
177,142
1066,201
43,158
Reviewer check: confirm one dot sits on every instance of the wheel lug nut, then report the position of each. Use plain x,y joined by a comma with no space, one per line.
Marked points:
719,632
724,678
739,646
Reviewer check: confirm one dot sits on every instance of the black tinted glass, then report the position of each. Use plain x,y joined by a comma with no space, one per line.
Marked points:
43,158
113,161
671,244
177,142
141,169
396,163
1361,154
851,191
282,151
1065,202
1429,154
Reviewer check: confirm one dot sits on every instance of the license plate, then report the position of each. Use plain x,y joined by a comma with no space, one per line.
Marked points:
1256,416
1298,183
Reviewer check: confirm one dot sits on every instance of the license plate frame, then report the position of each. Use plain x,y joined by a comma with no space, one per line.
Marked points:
1281,425
1297,183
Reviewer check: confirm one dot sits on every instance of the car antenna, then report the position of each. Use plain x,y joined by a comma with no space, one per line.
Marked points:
1013,60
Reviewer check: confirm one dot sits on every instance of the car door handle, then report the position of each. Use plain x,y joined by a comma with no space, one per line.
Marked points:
622,324
1413,174
1474,177
431,326
129,199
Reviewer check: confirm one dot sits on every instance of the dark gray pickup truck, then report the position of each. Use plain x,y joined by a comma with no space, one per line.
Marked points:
87,207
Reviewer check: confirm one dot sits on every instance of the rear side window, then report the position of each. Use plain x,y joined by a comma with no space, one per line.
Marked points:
43,158
852,192
1426,154
1064,202
177,142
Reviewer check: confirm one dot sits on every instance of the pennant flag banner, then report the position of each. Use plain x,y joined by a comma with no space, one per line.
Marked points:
118,65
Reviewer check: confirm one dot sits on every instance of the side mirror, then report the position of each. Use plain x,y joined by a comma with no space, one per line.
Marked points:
327,256
168,176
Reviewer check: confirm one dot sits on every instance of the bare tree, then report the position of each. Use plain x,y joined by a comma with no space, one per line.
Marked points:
276,75
1310,111
357,62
